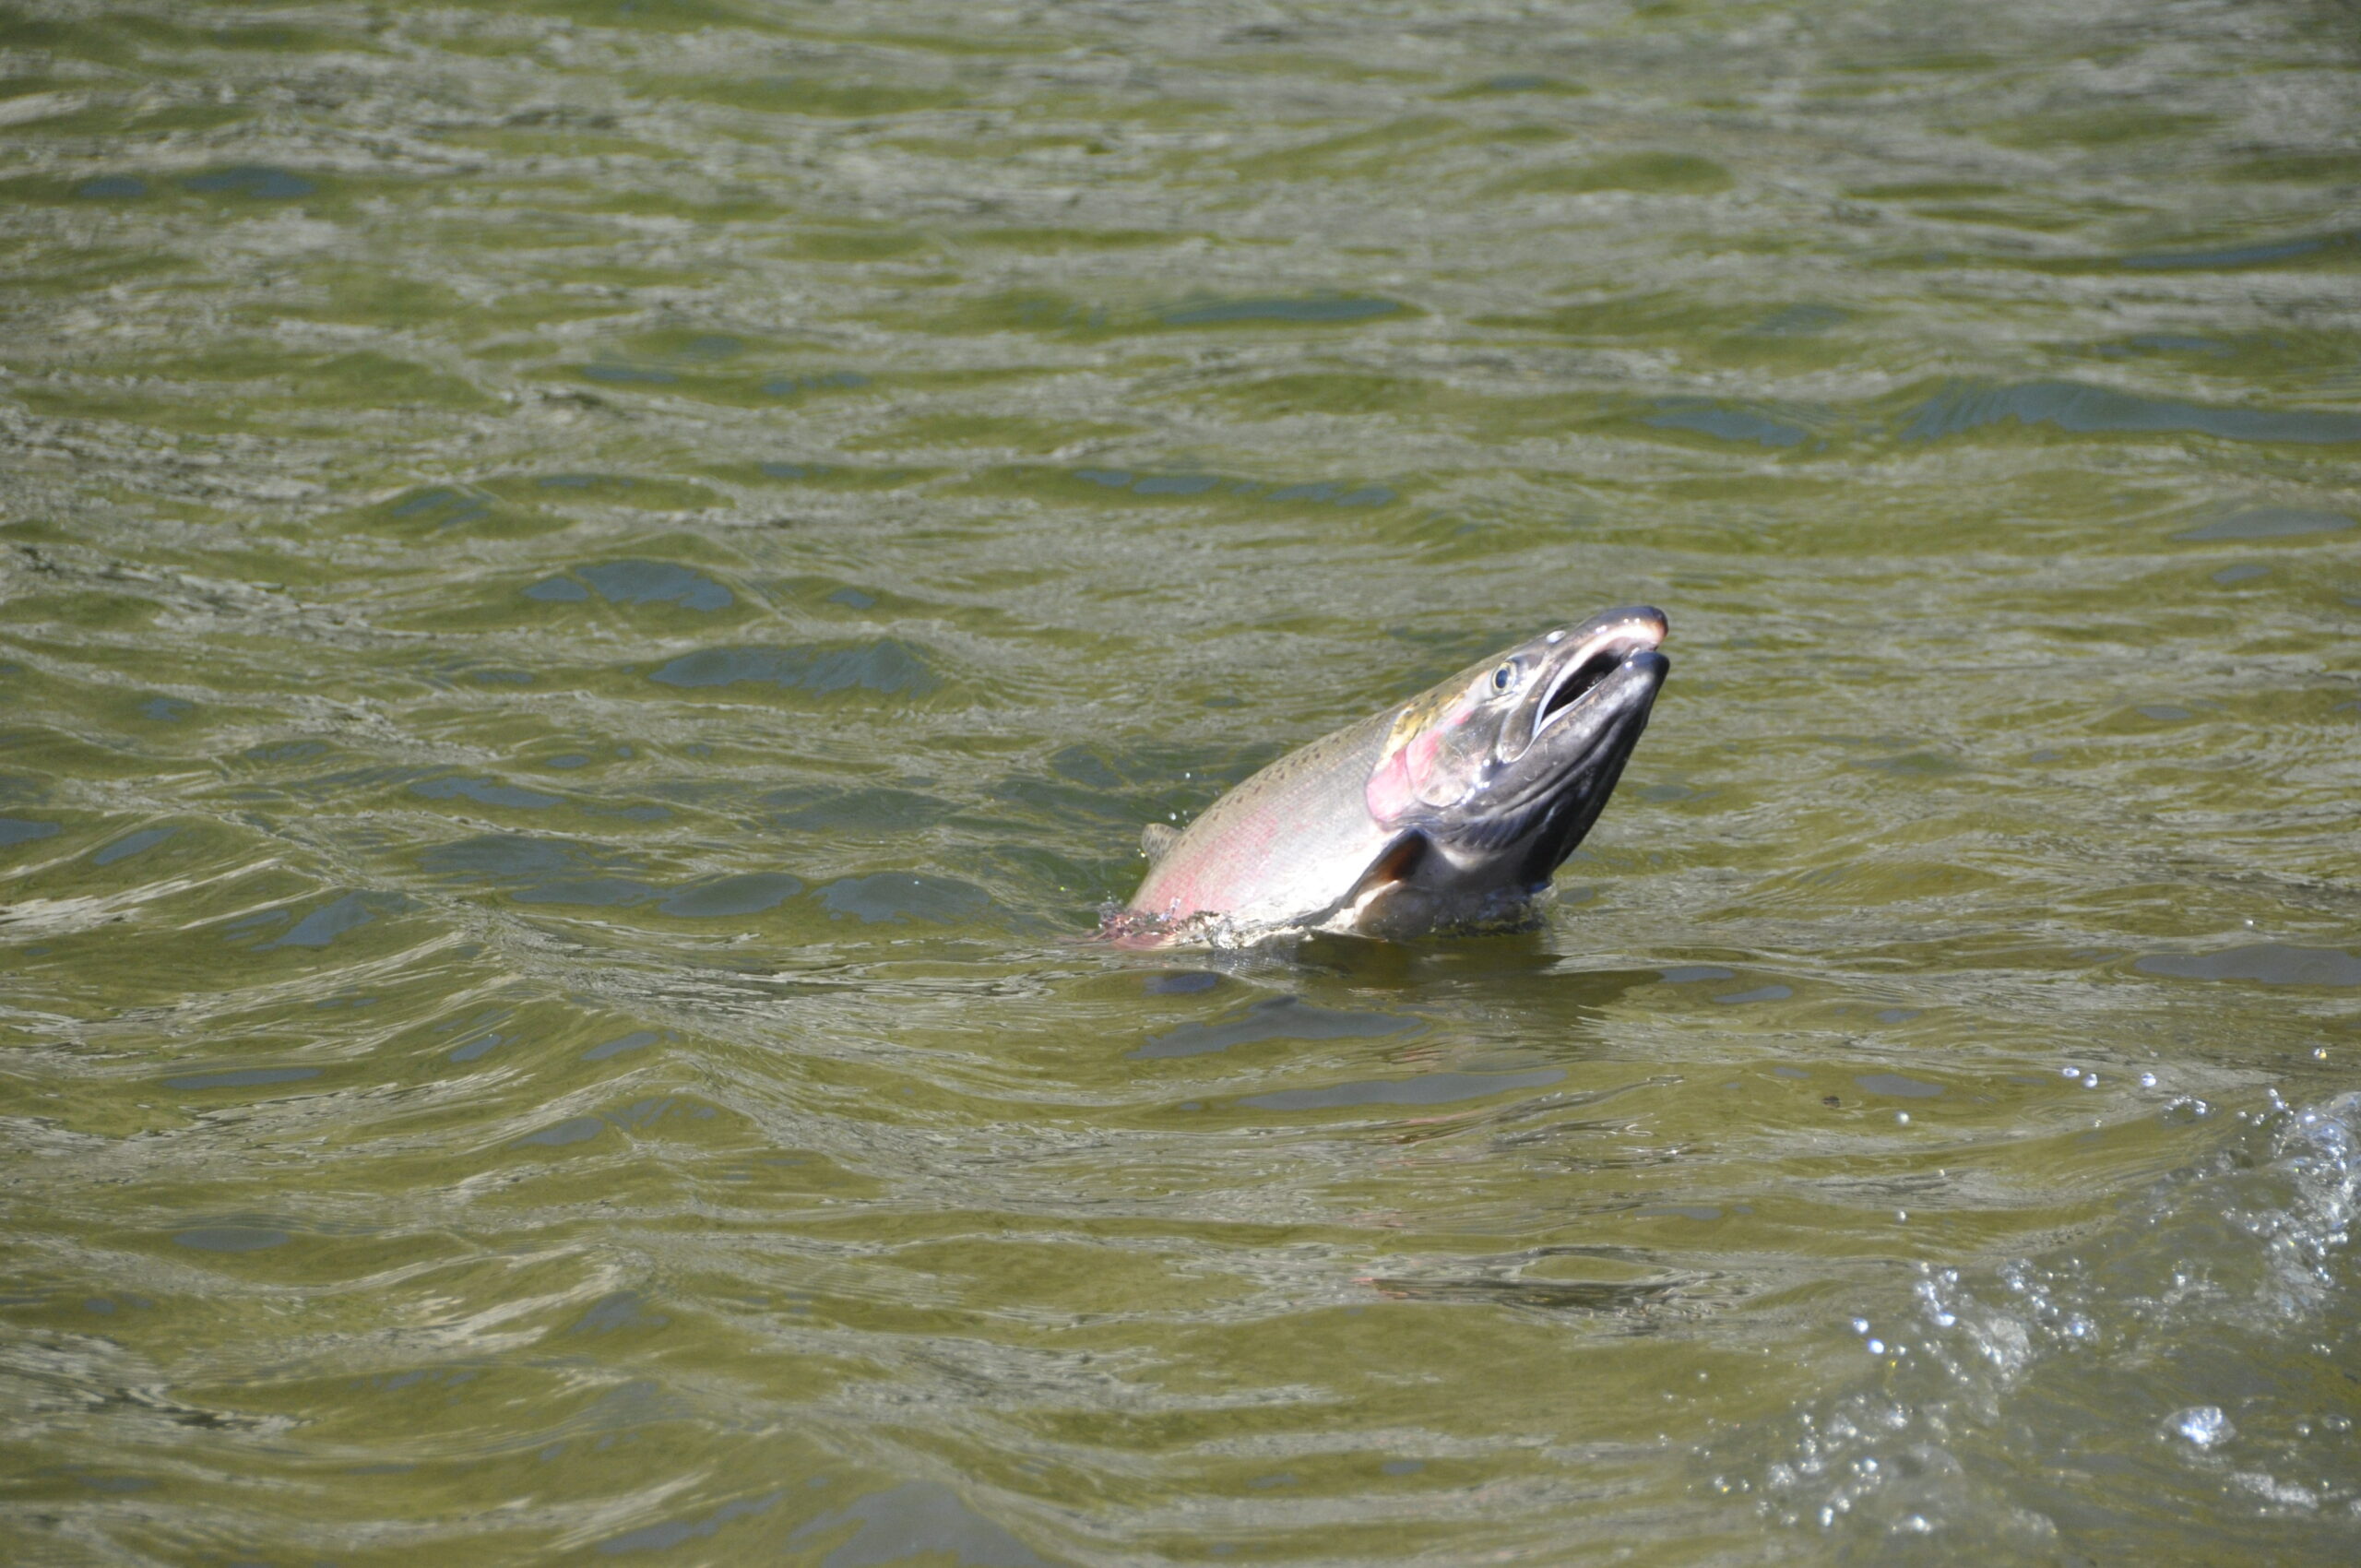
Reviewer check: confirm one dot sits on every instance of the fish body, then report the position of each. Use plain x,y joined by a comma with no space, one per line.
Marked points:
1452,810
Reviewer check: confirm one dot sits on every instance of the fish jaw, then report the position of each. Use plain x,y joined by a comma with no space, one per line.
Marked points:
1578,660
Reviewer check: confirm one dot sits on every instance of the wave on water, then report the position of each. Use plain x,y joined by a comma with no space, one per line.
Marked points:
2189,1361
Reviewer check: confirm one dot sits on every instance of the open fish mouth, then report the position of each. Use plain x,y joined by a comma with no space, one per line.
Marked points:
1618,653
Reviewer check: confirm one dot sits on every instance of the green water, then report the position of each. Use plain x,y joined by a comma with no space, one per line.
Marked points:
593,595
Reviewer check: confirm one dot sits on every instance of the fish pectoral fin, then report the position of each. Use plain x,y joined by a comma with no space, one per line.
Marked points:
1385,894
1399,862
1157,837
1366,909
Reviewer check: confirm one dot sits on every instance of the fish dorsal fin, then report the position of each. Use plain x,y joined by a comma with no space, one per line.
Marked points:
1157,837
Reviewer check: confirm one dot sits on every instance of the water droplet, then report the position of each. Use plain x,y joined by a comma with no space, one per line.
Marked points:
2147,1080
2090,1080
1877,1346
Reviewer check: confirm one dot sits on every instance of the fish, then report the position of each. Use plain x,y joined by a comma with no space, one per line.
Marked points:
1450,812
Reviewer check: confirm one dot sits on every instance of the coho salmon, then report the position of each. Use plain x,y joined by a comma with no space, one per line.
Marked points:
1450,811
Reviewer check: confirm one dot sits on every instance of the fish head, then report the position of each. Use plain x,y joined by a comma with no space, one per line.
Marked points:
1504,768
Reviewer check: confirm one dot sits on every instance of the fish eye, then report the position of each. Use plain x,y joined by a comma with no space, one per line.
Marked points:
1504,677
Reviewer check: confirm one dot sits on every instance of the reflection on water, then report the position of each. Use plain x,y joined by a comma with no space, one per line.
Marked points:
593,598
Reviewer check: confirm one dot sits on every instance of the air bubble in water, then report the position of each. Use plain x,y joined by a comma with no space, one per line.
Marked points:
2204,1426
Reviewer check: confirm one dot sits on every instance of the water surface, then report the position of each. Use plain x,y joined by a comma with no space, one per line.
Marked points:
593,595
